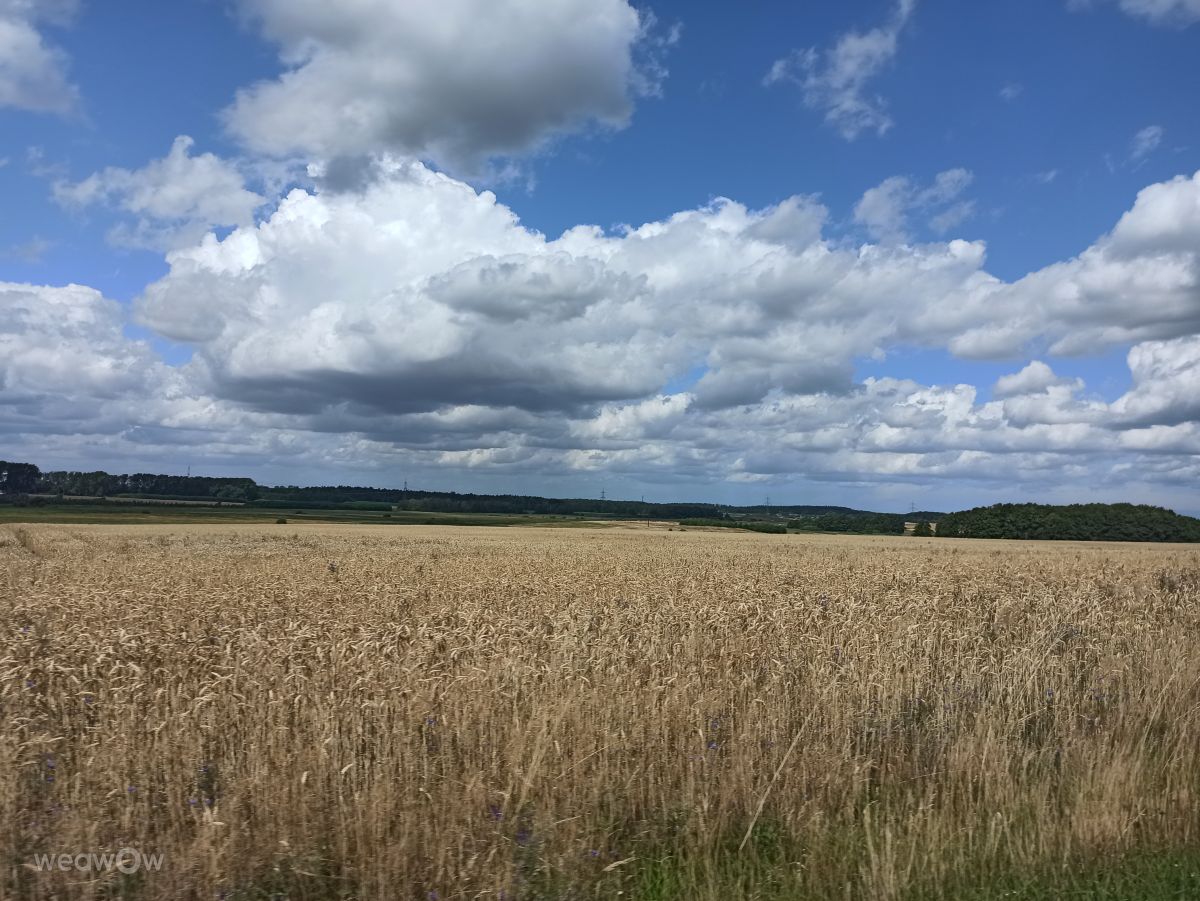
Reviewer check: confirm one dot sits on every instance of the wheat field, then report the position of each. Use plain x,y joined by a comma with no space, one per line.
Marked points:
594,713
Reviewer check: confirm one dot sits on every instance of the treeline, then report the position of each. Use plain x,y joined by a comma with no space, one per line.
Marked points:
23,479
1075,522
454,502
26,478
751,525
853,523
142,484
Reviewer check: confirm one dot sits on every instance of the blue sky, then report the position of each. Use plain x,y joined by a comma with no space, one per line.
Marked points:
945,184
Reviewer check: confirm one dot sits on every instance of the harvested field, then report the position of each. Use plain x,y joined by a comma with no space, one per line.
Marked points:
553,714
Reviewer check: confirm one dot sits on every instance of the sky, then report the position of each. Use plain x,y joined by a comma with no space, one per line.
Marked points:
879,253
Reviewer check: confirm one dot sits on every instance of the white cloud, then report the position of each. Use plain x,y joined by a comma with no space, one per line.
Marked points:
1179,13
952,217
1011,91
885,209
420,293
1145,142
1035,378
65,364
174,200
1166,383
1163,224
837,80
1141,282
33,73
452,81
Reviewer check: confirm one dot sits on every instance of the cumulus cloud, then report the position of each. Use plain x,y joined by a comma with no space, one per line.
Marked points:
1140,282
420,293
1036,378
65,363
837,80
1166,384
452,81
33,72
885,209
173,200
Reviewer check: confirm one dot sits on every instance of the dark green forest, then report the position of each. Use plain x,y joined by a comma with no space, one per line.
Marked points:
1075,522
855,523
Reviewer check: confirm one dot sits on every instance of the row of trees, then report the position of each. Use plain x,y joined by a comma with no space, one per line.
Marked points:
454,502
750,525
852,523
1075,522
27,478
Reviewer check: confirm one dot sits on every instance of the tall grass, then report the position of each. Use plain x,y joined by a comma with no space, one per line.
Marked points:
558,714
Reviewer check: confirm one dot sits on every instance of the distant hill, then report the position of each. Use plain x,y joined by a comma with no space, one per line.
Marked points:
808,510
1075,522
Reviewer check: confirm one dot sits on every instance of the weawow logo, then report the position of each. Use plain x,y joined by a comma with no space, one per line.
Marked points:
127,861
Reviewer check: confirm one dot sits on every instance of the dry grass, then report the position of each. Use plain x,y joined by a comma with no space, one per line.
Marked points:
575,714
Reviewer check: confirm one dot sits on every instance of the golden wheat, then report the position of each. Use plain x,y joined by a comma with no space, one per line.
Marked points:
578,713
